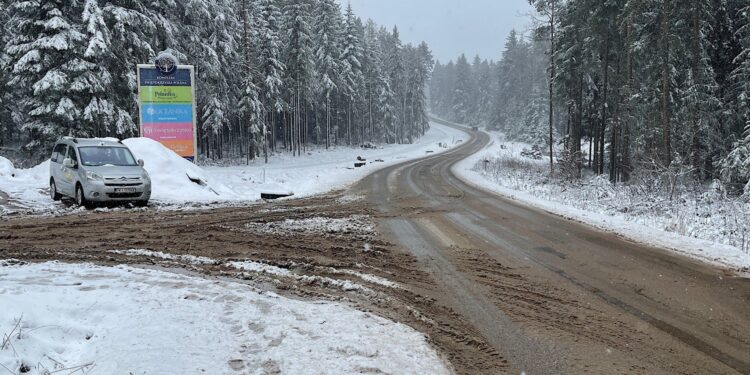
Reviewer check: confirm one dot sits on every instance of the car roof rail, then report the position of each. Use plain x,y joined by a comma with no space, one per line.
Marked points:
71,139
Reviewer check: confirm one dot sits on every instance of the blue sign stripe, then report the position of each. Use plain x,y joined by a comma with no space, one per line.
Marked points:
154,77
156,113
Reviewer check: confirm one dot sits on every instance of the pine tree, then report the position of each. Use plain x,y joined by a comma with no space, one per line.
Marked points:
394,69
549,9
328,67
700,105
270,66
94,81
735,167
44,57
387,105
740,77
131,33
374,80
300,62
485,89
70,67
424,66
351,67
462,91
251,104
6,125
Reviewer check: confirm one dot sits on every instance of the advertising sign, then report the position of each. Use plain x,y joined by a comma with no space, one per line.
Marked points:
166,95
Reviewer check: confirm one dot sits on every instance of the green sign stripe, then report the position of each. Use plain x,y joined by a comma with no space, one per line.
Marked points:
166,94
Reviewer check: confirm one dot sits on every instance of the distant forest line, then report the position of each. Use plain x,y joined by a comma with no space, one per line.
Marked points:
623,86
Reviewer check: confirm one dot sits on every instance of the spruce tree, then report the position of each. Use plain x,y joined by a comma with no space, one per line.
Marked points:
94,81
270,66
300,63
462,91
328,67
351,67
44,58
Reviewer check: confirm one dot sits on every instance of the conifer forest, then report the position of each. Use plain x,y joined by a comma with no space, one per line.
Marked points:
620,86
309,72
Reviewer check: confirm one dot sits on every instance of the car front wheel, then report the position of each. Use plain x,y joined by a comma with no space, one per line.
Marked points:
80,198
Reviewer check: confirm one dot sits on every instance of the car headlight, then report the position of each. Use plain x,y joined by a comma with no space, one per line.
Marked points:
93,176
145,176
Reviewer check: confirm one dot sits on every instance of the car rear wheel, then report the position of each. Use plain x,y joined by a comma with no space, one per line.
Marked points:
53,191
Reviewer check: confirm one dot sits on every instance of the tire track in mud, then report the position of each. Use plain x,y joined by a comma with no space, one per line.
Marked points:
318,258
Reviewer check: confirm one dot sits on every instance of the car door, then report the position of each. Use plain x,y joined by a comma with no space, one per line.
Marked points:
68,174
57,170
54,162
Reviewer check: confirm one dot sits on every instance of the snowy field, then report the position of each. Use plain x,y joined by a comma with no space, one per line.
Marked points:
318,171
86,319
704,226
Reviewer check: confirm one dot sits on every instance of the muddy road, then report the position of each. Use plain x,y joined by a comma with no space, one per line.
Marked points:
496,286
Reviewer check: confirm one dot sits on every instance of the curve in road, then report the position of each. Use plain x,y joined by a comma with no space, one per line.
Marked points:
556,296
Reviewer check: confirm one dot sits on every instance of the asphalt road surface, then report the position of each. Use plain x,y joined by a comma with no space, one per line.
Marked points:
554,296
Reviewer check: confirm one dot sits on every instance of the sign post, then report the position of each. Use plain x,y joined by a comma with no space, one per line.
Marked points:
166,98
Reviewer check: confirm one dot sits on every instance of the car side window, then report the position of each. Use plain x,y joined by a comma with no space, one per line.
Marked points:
72,155
58,153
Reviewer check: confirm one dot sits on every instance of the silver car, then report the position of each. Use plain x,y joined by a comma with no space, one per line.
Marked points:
96,171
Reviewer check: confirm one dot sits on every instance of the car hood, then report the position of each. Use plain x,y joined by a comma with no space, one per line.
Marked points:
117,171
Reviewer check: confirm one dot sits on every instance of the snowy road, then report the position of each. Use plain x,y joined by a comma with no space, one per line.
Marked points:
555,296
496,287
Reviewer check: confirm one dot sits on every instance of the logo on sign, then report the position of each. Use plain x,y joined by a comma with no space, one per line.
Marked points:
166,63
165,94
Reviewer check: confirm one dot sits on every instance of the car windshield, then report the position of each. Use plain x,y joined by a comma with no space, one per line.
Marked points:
103,155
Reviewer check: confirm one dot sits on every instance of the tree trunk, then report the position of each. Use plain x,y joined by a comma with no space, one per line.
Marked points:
695,144
625,146
666,117
551,88
603,127
328,121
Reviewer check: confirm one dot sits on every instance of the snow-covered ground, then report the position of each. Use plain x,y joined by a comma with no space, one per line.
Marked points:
26,187
703,226
87,319
318,171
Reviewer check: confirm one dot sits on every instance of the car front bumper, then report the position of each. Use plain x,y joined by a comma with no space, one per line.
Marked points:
98,191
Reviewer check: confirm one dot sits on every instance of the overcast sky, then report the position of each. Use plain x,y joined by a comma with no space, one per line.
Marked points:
450,27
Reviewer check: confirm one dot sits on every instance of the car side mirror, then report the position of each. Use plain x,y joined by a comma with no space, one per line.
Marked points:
69,163
140,162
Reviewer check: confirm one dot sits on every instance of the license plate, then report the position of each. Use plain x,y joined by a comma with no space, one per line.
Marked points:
124,190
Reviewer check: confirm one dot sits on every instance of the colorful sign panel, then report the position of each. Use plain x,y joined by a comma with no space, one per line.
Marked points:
167,105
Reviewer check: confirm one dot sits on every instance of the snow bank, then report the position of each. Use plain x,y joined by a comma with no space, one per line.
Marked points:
172,177
26,188
697,232
6,168
126,320
320,171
